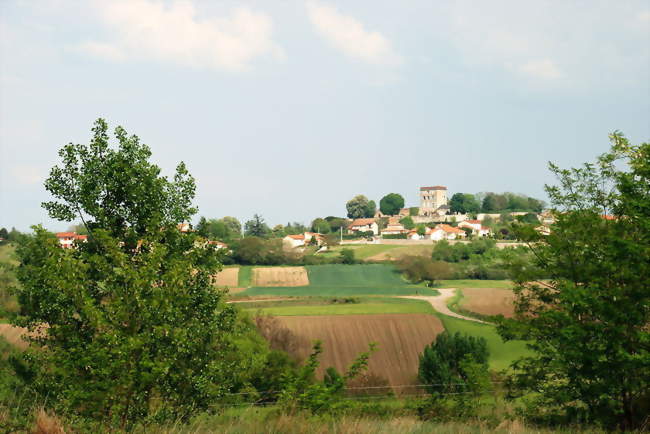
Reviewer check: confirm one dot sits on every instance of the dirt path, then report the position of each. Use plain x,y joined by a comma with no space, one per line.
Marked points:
439,303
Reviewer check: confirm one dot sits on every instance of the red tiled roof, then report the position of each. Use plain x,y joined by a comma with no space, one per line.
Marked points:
362,222
450,229
297,237
608,217
435,187
81,237
66,234
474,222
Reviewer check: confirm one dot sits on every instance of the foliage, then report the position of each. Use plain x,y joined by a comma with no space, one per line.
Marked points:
422,269
453,363
302,392
407,222
464,203
224,229
371,209
394,236
320,226
336,223
256,227
391,204
131,315
259,251
495,203
357,207
347,256
413,211
588,325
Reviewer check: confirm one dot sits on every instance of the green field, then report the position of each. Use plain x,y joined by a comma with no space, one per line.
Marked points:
244,276
474,283
501,353
367,305
361,251
347,280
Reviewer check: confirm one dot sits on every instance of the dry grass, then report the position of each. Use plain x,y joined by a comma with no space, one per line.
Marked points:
46,423
227,277
488,301
13,335
400,252
280,276
400,337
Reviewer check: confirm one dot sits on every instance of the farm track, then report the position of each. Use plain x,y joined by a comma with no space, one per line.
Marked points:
439,303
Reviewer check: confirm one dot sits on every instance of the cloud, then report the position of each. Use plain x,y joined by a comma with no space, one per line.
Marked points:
147,29
350,36
27,175
544,69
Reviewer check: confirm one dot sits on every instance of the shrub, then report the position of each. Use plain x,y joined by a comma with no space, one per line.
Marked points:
421,269
347,256
394,236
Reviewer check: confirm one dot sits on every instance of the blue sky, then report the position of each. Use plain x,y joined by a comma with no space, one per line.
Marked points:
289,109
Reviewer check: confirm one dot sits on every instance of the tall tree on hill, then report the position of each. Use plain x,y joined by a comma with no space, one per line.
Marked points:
371,209
464,203
131,315
589,324
256,227
391,204
357,207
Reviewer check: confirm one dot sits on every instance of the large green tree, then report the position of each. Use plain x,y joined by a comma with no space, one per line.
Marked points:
391,204
589,323
131,315
256,227
357,207
464,203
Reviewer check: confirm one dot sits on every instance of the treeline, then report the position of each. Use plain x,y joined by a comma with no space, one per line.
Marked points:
492,203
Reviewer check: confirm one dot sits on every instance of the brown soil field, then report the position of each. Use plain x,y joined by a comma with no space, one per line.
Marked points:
400,338
13,335
280,276
227,277
400,252
488,301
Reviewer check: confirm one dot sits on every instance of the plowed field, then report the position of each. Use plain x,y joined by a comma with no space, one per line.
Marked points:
228,277
280,276
400,337
488,301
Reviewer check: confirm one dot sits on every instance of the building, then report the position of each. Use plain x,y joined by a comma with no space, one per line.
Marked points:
476,227
300,240
445,232
67,239
432,199
394,227
364,225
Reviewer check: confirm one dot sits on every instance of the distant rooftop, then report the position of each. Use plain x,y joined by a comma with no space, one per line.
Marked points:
435,187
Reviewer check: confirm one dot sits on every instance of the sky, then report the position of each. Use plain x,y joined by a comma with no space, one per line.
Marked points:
290,108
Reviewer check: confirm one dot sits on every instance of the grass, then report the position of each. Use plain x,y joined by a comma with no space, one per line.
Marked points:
7,254
347,280
502,354
368,305
362,251
475,283
245,276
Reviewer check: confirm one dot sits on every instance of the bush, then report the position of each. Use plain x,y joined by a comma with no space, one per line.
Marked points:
346,256
394,236
421,269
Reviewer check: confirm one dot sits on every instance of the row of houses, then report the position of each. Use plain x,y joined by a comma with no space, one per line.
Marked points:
438,232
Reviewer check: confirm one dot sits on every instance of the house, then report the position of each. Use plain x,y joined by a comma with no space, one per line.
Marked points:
300,240
218,244
184,227
364,225
67,239
476,227
445,232
394,227
433,201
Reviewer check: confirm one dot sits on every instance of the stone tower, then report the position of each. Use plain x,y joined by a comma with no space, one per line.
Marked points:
432,198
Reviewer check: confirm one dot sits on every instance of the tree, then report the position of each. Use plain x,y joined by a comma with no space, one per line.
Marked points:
4,233
443,363
407,222
321,226
336,223
413,211
347,256
588,324
391,204
357,207
131,315
233,226
371,209
464,203
256,227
